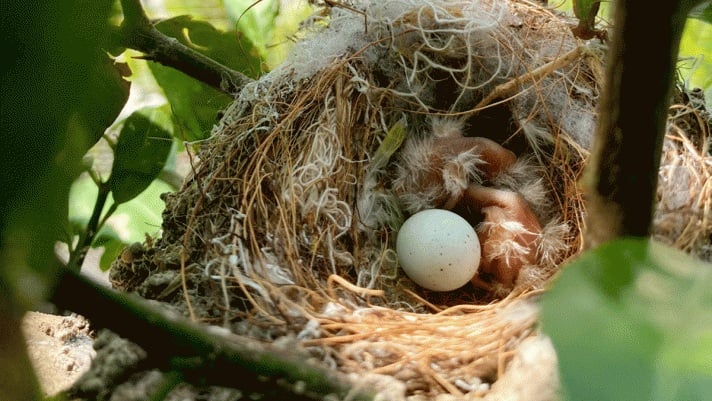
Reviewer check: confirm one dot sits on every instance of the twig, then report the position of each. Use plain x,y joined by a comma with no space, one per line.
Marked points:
77,255
170,340
138,33
510,87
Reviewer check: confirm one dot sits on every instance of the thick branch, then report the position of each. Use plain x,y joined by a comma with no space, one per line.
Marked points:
138,33
171,340
623,170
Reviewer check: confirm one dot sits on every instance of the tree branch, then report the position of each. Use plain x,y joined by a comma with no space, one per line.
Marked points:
138,33
623,171
176,344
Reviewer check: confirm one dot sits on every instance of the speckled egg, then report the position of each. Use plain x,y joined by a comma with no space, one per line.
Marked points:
438,250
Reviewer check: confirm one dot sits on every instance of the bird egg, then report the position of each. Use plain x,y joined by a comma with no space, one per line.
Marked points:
438,250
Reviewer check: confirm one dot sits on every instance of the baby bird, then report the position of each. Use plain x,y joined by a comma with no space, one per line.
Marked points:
450,171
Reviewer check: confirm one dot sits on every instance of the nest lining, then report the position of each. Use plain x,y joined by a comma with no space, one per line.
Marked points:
285,231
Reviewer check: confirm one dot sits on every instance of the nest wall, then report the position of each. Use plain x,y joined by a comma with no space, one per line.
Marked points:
285,231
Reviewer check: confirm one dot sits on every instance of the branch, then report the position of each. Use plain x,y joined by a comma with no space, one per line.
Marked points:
623,170
138,33
204,358
79,253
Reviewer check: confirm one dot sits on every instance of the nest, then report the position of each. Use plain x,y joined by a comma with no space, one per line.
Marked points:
683,218
285,231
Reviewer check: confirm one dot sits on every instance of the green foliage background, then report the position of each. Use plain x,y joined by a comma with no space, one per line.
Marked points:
236,34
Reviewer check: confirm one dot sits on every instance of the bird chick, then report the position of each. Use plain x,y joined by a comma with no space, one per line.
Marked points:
450,171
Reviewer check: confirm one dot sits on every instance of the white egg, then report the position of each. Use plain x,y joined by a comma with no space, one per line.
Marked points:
438,250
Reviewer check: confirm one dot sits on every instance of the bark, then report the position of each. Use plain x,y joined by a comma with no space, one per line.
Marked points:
201,357
138,33
622,175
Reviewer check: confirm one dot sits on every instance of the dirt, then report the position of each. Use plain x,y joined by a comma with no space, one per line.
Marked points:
60,348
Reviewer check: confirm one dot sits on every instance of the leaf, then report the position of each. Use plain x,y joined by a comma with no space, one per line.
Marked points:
696,57
141,152
703,12
256,19
112,250
586,11
195,105
130,223
111,241
231,48
52,50
632,320
110,92
393,140
143,214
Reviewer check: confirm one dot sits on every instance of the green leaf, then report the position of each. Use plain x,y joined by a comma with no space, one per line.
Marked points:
111,241
143,215
703,12
51,50
229,48
110,94
696,56
632,320
130,223
195,105
272,25
586,10
141,152
393,140
256,19
112,250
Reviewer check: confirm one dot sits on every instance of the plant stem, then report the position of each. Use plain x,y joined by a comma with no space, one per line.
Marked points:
623,170
77,255
138,33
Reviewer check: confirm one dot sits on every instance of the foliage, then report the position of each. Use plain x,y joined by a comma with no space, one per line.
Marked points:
195,105
256,19
703,12
631,320
696,53
131,222
145,141
586,11
141,153
57,91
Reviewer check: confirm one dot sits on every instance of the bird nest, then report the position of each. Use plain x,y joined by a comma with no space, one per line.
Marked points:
285,231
